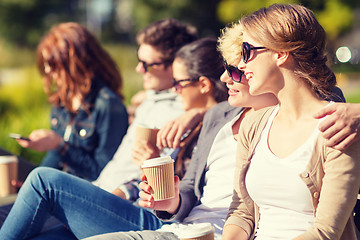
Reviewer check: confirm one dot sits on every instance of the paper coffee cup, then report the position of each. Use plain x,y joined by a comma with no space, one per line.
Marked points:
146,133
8,172
198,231
160,176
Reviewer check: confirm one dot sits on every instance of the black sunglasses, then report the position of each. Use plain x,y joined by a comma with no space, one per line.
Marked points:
234,73
147,66
176,83
246,51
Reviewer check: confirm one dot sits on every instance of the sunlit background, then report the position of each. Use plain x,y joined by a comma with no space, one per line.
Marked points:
23,105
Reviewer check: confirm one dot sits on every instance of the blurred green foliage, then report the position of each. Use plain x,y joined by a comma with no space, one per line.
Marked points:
126,58
353,98
24,21
336,16
201,14
233,10
12,56
23,107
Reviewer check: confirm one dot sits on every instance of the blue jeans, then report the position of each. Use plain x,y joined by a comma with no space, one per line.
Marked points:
83,208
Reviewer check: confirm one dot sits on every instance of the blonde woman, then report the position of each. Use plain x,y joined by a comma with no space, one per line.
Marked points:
295,187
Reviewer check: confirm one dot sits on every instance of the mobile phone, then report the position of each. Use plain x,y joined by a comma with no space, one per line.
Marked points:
18,136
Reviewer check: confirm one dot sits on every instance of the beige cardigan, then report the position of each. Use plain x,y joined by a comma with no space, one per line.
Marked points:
332,176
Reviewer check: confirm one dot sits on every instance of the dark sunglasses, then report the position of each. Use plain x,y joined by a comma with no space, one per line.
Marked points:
176,83
147,66
246,51
234,73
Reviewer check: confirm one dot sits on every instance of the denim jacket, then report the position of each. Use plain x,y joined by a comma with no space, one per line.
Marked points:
93,135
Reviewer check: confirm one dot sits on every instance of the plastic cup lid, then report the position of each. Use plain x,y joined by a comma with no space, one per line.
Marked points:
196,230
8,159
157,161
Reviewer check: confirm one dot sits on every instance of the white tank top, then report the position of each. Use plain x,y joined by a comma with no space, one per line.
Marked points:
284,201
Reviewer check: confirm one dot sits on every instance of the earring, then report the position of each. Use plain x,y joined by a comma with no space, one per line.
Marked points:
202,91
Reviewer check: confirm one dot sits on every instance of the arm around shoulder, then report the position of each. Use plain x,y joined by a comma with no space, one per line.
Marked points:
341,128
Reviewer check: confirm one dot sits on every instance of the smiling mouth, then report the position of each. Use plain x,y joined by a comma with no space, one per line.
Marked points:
232,92
249,76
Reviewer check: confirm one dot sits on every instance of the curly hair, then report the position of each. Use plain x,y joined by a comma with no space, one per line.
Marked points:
230,41
69,57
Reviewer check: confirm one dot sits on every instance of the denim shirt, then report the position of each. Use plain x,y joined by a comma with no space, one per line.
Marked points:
93,135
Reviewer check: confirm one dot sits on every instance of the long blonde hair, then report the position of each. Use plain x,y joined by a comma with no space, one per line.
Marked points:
294,28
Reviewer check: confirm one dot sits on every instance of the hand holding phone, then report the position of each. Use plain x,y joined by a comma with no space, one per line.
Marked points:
18,136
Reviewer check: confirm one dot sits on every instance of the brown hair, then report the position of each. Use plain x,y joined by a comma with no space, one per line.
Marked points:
294,28
167,36
201,58
69,57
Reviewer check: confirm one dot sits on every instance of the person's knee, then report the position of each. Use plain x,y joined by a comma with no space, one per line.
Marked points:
41,176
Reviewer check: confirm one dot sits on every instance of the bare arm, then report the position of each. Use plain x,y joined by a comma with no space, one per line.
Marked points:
143,150
234,232
170,134
341,128
298,238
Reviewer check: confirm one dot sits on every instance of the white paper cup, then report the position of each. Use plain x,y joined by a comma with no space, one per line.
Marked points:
8,172
198,231
160,176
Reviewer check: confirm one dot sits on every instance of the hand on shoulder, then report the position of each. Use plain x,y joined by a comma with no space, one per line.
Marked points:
170,134
342,124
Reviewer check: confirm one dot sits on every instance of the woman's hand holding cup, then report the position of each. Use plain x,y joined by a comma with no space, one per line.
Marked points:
147,200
